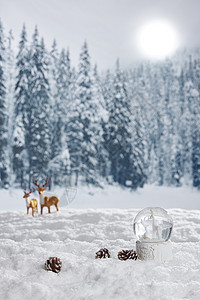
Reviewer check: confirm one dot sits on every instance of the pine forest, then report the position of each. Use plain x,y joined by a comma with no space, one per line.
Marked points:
76,125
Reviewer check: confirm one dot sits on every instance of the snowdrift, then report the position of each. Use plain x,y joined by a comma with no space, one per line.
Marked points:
75,235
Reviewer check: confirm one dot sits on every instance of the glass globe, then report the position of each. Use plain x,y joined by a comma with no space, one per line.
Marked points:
153,225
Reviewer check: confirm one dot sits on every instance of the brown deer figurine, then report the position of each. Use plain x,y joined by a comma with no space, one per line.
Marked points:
45,200
33,203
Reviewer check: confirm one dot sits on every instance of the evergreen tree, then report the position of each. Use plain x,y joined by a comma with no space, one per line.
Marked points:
63,84
187,125
4,164
118,136
83,123
39,135
54,100
21,126
158,121
103,167
61,107
62,79
195,93
88,117
139,108
53,74
10,75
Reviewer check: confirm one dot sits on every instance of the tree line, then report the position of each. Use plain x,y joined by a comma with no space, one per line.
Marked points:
131,127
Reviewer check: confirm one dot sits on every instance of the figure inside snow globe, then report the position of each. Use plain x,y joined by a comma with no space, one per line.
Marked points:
153,225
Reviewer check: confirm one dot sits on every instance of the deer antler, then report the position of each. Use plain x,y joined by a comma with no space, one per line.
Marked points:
46,182
31,190
35,182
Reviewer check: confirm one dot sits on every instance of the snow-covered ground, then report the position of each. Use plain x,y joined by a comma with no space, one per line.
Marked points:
76,234
112,197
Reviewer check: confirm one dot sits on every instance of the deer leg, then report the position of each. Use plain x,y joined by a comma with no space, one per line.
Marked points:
27,210
33,212
56,205
49,210
41,209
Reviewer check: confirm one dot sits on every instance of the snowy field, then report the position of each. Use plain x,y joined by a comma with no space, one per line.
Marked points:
112,197
76,233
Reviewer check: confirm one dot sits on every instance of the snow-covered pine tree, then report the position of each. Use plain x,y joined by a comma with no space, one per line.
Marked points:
88,117
139,106
63,86
158,121
4,159
74,133
61,107
54,92
21,126
103,166
187,125
82,125
40,124
113,129
153,99
118,134
168,80
10,75
107,92
196,126
144,107
53,70
55,114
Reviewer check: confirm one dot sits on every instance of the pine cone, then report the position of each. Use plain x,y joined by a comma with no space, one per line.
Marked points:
103,253
127,254
53,264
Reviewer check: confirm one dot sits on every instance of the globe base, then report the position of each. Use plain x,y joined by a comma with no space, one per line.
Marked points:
159,252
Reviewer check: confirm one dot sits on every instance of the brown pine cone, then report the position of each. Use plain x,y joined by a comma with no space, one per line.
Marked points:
103,253
53,264
127,254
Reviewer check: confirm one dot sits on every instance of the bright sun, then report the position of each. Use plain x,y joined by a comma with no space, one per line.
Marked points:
157,39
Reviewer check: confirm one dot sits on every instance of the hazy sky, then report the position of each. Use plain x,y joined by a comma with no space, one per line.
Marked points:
109,26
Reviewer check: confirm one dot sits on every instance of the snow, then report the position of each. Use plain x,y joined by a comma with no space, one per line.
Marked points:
112,196
77,232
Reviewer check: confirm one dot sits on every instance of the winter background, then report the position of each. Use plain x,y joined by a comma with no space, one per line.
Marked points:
114,131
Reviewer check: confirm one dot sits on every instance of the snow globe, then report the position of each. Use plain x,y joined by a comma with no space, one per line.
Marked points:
153,227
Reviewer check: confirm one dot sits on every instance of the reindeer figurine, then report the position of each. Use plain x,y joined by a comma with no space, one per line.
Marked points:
33,203
44,200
